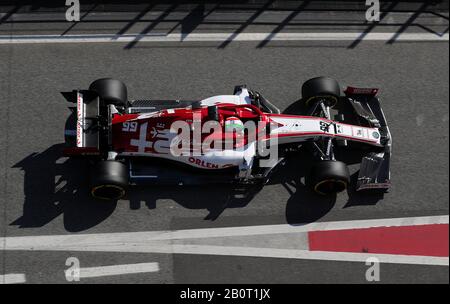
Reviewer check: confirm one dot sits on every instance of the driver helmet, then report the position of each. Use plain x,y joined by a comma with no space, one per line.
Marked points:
234,124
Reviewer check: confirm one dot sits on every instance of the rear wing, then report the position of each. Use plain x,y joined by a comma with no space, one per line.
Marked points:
87,126
374,172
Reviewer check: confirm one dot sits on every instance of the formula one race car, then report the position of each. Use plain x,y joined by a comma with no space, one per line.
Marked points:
237,138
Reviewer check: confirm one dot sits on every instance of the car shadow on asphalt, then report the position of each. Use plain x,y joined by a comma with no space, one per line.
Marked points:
55,185
213,198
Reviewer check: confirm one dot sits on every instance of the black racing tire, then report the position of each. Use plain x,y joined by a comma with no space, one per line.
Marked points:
329,177
111,91
321,87
109,180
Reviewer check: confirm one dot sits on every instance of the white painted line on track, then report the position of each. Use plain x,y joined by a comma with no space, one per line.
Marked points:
308,255
144,236
177,242
222,37
113,270
12,278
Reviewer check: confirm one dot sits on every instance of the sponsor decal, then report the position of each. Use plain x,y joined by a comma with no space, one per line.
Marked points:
202,163
358,132
142,143
79,120
154,132
325,126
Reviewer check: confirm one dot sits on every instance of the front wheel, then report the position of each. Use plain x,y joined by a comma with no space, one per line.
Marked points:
314,90
329,177
321,88
109,180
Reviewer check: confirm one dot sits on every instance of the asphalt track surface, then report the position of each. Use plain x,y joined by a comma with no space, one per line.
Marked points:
44,194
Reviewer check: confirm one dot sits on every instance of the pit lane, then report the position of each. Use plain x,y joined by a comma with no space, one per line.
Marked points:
43,194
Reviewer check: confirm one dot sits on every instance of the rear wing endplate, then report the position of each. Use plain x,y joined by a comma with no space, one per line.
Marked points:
87,117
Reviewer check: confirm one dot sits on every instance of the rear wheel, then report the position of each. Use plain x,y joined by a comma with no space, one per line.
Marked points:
111,91
329,177
109,180
70,130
